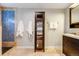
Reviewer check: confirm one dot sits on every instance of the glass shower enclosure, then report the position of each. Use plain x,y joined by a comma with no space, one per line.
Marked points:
7,29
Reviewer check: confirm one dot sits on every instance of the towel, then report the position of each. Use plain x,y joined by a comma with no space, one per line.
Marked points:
29,29
53,25
20,29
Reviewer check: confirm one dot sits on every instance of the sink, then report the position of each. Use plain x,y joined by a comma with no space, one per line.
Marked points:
75,33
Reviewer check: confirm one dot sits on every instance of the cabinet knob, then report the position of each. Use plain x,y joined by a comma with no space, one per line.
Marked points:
37,45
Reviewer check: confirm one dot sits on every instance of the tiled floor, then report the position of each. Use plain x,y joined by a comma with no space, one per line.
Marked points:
0,52
30,52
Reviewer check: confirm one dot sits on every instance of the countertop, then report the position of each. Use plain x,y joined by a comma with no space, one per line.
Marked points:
72,35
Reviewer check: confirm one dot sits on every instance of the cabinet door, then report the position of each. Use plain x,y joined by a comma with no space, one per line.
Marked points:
39,44
70,46
39,31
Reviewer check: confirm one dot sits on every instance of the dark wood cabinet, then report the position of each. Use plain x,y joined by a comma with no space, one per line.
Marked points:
70,46
39,30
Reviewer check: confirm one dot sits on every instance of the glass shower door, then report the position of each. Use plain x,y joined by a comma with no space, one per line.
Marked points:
7,30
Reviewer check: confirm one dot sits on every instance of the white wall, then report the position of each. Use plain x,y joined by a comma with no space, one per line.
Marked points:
67,23
53,38
25,15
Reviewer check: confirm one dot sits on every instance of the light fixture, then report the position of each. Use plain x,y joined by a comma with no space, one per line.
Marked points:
74,5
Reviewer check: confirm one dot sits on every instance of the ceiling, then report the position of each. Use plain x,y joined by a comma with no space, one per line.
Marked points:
37,5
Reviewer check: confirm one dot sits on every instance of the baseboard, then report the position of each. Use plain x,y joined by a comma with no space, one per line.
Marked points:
53,47
25,47
8,44
33,47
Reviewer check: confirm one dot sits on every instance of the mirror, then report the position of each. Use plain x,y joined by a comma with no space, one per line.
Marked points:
74,17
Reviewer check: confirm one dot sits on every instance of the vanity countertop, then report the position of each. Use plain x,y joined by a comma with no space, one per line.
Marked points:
72,35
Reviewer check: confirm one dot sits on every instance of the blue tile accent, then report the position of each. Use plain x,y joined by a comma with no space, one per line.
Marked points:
8,25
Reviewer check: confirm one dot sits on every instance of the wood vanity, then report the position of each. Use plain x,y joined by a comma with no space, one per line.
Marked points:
71,45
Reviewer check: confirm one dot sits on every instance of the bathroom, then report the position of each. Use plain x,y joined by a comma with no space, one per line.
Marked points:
24,27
